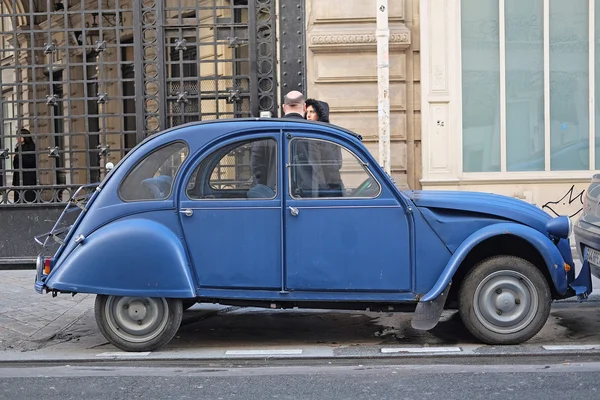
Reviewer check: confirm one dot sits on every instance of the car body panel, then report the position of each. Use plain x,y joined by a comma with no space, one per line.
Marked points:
552,257
255,228
341,244
346,247
483,204
397,247
117,260
430,257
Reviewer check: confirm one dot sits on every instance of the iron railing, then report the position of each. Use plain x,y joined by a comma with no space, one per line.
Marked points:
88,80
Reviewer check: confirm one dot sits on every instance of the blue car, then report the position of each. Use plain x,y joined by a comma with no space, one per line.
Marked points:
587,228
283,213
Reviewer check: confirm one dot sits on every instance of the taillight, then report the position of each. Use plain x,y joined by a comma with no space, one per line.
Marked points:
47,265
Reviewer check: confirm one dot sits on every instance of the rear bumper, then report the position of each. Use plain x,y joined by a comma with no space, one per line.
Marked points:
40,278
586,236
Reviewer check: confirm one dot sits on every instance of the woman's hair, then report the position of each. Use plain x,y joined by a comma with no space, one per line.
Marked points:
321,112
28,141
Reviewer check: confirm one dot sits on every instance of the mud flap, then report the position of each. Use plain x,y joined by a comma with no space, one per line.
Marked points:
428,314
582,285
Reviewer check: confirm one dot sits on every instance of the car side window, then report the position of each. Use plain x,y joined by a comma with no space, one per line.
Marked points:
152,178
242,170
323,169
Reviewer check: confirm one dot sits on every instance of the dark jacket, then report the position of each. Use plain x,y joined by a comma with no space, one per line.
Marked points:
263,159
330,155
25,159
293,115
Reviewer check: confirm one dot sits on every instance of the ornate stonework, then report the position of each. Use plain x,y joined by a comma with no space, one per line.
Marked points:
402,38
399,39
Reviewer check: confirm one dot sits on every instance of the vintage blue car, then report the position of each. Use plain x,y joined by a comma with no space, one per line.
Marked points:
288,213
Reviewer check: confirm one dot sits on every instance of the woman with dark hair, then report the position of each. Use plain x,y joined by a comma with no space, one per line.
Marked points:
330,153
24,164
317,110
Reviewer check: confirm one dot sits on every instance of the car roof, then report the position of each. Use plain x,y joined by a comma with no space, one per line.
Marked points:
250,121
232,121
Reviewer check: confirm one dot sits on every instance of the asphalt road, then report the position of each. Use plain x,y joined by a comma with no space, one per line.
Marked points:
565,380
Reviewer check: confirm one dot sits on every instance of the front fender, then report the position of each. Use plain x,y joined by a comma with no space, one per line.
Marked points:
550,253
130,257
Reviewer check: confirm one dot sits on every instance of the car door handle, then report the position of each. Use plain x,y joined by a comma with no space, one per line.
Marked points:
294,211
187,212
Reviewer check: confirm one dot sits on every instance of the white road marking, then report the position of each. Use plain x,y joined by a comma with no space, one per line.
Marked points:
123,354
573,347
420,349
263,352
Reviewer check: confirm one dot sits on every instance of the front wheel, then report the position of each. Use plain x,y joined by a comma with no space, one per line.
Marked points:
504,300
138,323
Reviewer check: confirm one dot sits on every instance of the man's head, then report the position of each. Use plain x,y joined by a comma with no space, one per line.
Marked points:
293,102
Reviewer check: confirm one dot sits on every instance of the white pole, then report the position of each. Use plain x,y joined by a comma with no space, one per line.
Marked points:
383,84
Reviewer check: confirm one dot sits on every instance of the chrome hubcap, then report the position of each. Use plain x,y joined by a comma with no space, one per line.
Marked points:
505,302
137,319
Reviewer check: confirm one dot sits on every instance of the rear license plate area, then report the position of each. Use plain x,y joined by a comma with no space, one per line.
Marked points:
593,256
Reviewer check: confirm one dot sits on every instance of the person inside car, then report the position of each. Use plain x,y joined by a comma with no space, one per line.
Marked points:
330,154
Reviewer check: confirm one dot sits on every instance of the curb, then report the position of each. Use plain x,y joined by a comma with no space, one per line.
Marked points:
238,355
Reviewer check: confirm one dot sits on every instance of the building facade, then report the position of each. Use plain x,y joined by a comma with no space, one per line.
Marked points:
83,82
509,103
495,95
342,69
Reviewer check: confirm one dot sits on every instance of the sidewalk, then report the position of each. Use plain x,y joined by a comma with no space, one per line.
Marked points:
34,326
28,319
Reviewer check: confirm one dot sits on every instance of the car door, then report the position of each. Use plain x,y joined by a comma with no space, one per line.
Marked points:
232,216
344,229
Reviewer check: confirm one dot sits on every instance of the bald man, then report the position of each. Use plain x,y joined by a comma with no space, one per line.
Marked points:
294,105
263,157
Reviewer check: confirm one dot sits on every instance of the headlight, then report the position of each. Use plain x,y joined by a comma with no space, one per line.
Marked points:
560,227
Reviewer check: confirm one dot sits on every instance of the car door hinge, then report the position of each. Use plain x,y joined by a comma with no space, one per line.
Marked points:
409,210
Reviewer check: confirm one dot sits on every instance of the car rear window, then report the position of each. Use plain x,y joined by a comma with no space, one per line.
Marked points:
152,178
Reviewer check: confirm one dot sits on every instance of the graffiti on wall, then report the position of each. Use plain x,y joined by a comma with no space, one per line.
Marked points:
571,203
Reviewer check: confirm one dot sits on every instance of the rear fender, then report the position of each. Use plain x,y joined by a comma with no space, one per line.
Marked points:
130,257
550,253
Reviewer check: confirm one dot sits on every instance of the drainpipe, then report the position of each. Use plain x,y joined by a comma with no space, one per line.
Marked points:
383,84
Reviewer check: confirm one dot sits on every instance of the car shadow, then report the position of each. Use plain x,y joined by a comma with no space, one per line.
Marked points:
250,327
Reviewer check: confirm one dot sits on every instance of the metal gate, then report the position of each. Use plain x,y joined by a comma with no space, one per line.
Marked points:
82,82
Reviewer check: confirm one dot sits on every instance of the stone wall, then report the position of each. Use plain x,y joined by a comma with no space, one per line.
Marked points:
342,70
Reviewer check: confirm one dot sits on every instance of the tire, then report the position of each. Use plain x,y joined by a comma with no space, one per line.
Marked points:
504,300
118,319
187,304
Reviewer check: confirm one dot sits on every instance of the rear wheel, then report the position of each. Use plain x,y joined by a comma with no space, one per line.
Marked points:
138,323
504,300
